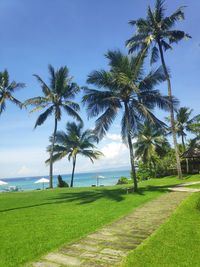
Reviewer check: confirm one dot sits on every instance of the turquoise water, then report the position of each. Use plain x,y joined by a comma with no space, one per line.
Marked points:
80,180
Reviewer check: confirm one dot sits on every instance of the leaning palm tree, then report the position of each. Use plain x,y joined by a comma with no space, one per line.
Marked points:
151,143
73,143
184,123
7,89
58,95
124,88
156,32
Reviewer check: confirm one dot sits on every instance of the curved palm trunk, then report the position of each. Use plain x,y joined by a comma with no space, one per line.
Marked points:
51,155
133,172
178,163
73,170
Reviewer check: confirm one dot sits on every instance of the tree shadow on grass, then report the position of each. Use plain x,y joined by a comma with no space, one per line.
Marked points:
90,196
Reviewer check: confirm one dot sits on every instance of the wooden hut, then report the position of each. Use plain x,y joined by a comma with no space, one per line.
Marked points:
191,159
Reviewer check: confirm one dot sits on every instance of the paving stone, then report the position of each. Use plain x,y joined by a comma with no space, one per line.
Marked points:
88,254
63,259
85,247
102,237
113,252
71,252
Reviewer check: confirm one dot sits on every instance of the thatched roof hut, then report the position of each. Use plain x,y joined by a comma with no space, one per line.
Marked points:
191,159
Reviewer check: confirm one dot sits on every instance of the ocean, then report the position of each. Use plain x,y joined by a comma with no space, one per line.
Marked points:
80,180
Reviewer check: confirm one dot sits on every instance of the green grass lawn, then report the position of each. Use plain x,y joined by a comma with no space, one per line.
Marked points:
34,223
176,243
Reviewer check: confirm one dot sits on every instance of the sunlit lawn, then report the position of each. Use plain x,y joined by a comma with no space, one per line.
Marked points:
34,223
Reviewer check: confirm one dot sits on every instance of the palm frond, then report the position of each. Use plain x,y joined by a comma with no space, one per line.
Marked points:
104,122
46,90
154,55
159,10
41,119
152,79
52,76
72,112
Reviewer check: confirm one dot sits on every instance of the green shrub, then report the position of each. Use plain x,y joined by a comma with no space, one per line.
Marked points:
143,172
166,165
62,183
124,180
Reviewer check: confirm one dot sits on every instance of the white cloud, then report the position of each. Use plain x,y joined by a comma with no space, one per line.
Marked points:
113,150
114,137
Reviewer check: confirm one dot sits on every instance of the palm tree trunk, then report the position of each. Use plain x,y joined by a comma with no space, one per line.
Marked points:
73,170
178,163
183,142
133,172
51,155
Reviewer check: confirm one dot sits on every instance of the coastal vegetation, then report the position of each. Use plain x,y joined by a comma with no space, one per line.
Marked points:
125,88
57,96
157,33
74,142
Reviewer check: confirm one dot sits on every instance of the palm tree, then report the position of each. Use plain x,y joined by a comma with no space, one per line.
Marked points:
125,88
150,144
73,143
57,95
157,33
184,123
7,89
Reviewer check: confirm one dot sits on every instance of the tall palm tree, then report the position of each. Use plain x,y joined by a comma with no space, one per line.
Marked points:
125,88
73,143
57,95
7,89
150,144
156,32
184,123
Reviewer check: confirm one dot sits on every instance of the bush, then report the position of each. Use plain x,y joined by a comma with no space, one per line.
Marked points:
62,183
167,165
143,172
124,180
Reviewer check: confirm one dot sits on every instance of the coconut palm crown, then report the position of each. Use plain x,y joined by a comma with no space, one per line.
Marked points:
75,141
184,123
156,31
124,88
57,96
7,89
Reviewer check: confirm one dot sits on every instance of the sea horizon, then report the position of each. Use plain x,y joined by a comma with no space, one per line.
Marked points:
82,179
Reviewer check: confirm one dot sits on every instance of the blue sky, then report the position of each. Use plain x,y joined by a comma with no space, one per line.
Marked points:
77,34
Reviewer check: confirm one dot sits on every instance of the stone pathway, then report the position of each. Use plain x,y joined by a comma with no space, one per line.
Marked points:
108,246
189,183
182,188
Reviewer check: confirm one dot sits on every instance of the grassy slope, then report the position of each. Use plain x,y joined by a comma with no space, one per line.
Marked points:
176,243
33,223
